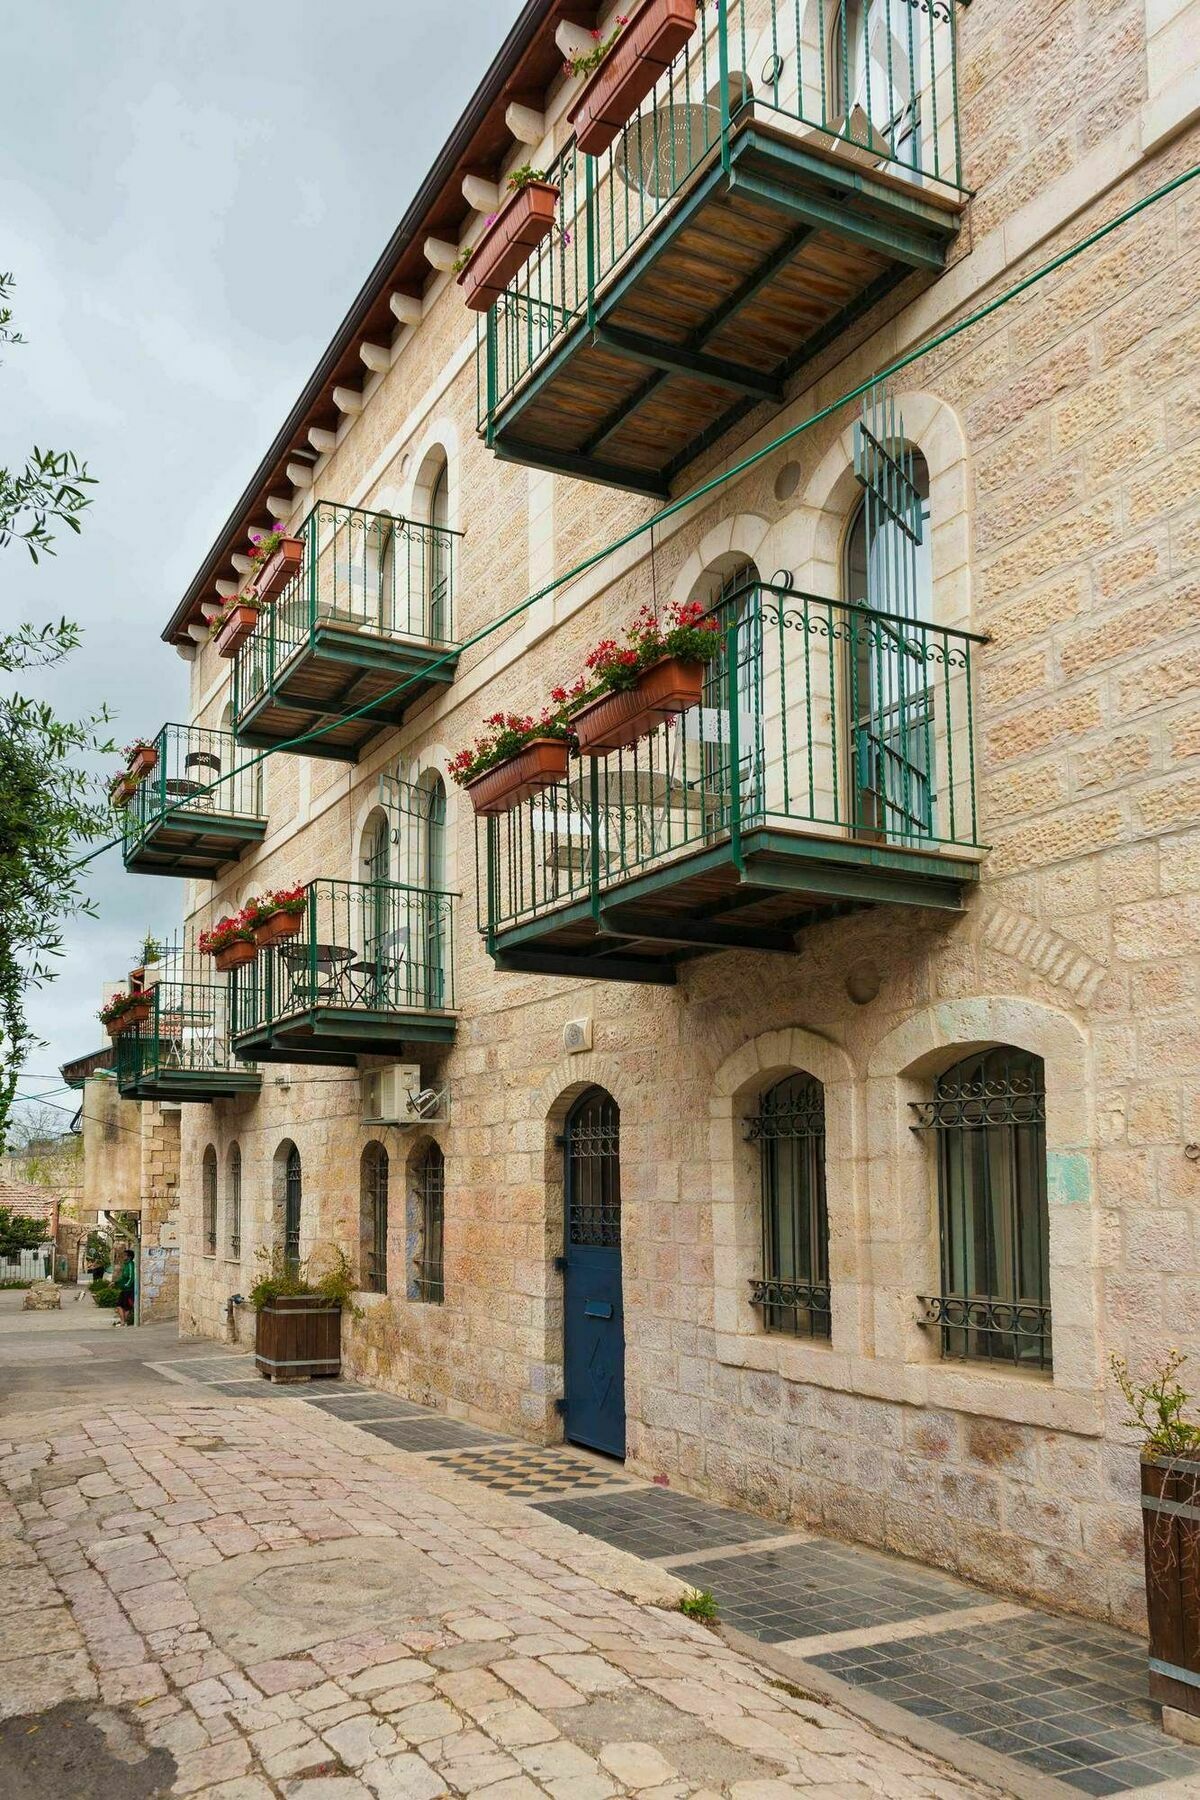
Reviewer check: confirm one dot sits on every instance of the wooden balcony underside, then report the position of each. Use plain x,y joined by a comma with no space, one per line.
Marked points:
334,672
340,1035
747,276
643,928
186,840
197,1085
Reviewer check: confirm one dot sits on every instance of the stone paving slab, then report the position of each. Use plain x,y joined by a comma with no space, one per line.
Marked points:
658,1522
527,1472
290,1607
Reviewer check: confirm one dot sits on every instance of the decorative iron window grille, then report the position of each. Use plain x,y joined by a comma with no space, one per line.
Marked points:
789,1128
988,1114
235,1201
209,1197
431,1199
593,1171
291,1210
375,1217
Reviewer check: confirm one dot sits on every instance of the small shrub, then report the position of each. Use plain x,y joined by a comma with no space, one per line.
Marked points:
1156,1407
701,1604
336,1282
105,1294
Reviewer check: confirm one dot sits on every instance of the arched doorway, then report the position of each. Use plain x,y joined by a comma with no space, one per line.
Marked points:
593,1309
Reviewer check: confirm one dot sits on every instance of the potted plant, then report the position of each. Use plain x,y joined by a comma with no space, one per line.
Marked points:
623,67
124,1012
234,623
634,685
510,237
275,915
121,790
276,558
1170,1530
515,757
298,1315
230,943
145,974
141,759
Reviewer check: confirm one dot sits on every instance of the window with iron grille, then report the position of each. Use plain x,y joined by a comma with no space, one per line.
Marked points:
988,1120
593,1173
374,1189
233,1201
208,1186
789,1129
292,1194
429,1283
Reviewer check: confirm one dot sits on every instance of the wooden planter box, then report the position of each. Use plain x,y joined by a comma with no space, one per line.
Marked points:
298,1337
514,234
142,762
539,765
122,792
657,31
234,956
1171,1532
280,925
615,721
278,571
130,1019
236,627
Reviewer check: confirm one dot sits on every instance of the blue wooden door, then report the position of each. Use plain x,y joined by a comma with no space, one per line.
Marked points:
593,1314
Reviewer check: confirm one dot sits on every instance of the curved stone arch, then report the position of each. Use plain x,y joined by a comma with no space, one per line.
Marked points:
744,537
741,1078
902,1171
369,815
831,495
438,444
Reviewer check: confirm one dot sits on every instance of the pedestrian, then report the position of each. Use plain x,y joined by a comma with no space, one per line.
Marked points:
124,1286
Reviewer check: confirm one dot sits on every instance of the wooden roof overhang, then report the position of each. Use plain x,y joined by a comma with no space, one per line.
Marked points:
524,68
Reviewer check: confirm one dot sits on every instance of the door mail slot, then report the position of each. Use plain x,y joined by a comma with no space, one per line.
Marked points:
598,1309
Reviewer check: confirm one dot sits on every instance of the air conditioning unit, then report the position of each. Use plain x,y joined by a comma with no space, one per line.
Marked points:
577,1036
385,1093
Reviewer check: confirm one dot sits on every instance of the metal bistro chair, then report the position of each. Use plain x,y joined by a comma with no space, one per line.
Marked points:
374,976
200,767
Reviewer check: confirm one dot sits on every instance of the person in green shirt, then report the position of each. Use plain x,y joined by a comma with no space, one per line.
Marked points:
123,1282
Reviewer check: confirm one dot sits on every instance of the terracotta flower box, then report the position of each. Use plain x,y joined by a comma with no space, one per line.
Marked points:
514,234
278,570
276,927
235,628
130,1019
122,792
234,956
657,31
1171,1532
615,721
539,765
143,762
298,1337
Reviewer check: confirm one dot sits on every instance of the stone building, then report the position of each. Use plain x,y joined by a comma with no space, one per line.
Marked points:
808,1091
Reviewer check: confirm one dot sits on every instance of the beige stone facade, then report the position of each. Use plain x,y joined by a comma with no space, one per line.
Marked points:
1062,439
131,1164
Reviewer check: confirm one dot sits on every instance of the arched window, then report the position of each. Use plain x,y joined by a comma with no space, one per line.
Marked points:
378,905
208,1197
373,1216
874,59
889,571
727,590
593,1172
440,549
789,1129
435,922
988,1118
292,1195
233,1201
429,1275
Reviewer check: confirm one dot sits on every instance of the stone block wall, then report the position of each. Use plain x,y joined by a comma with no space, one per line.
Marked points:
1062,436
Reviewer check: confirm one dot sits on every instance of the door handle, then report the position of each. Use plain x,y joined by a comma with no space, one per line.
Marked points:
597,1309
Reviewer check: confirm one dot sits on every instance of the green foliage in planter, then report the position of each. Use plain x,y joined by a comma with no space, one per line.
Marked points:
1156,1407
326,1273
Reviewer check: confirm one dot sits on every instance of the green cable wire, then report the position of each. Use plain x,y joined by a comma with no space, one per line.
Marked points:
710,486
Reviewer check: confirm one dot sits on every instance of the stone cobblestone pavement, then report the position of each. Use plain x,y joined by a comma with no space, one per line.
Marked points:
290,1607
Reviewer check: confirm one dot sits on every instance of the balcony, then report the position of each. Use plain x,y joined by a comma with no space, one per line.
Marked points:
829,767
370,973
196,810
739,224
183,1051
370,609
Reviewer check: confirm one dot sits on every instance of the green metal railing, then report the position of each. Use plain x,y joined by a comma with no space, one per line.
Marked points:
819,719
364,947
198,770
188,1031
362,571
876,79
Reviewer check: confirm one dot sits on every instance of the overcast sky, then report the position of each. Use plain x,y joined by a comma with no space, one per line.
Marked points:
190,197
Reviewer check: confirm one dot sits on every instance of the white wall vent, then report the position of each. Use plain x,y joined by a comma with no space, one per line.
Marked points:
385,1093
577,1036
